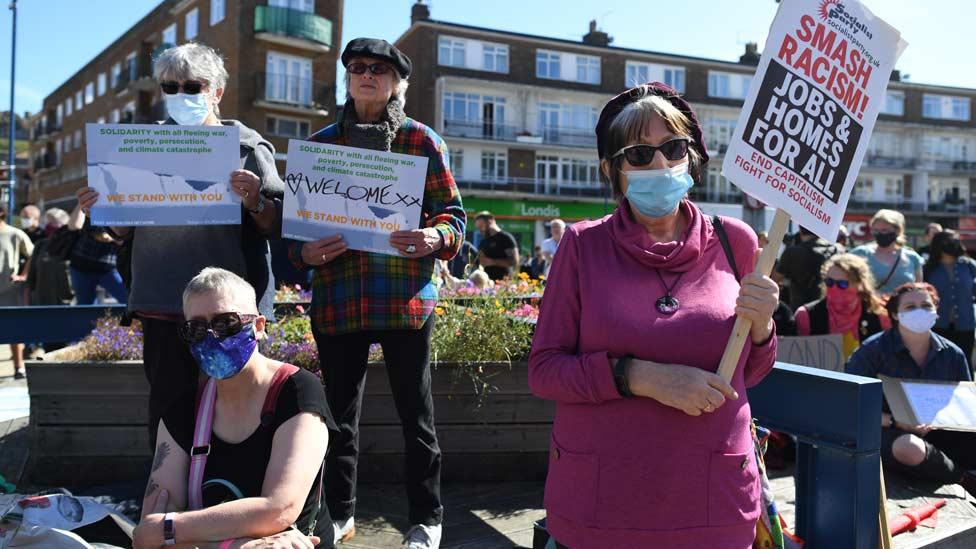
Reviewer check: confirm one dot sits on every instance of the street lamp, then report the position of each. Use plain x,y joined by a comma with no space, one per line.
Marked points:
11,160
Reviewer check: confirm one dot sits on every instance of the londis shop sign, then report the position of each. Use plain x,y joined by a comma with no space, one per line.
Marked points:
538,209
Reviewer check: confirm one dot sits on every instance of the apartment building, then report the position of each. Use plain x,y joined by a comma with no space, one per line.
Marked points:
518,113
280,55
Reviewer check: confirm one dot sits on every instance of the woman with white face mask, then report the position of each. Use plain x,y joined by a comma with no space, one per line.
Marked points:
192,80
911,350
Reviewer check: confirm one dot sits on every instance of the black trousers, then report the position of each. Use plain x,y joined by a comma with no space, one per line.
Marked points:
170,369
963,339
407,355
948,454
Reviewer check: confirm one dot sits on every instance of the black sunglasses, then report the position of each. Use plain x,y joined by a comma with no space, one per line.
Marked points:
376,68
643,154
831,282
190,87
222,325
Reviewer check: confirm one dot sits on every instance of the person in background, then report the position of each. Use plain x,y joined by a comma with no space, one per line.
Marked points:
911,350
952,273
538,266
464,261
30,222
15,252
801,265
930,231
93,261
843,238
498,250
549,246
892,264
848,305
48,275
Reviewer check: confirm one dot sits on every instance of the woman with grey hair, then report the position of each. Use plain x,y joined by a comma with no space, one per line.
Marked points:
359,298
639,307
192,80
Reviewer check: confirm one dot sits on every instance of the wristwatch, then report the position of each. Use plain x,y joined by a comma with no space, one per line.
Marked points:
260,207
620,377
169,532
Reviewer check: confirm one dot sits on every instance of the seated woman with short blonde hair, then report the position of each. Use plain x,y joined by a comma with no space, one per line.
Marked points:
260,483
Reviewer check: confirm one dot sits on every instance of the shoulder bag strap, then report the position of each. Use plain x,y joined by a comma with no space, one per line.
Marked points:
894,267
206,399
724,239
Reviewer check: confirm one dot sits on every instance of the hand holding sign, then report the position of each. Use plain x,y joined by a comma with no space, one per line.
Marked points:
322,251
246,184
417,243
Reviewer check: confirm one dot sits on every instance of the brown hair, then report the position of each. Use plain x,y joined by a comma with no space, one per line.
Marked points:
629,126
858,273
895,298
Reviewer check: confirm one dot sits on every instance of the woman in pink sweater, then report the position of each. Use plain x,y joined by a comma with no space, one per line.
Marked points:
649,447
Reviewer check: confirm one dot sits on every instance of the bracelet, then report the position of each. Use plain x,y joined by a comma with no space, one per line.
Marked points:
620,377
169,531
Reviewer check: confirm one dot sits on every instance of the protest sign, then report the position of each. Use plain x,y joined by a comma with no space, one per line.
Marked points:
361,194
151,174
825,352
941,404
805,124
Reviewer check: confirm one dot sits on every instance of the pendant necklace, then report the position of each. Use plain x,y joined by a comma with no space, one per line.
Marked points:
667,304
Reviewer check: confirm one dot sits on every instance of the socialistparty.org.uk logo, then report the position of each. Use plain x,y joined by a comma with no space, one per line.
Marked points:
825,6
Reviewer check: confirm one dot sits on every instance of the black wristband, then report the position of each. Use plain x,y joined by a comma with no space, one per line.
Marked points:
620,377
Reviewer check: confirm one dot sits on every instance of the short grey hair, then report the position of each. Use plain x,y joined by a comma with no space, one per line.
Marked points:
56,216
400,86
192,61
558,222
628,127
213,280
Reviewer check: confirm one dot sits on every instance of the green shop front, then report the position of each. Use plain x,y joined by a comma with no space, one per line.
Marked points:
528,220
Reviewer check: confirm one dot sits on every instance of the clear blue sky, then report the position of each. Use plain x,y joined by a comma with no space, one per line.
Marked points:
57,37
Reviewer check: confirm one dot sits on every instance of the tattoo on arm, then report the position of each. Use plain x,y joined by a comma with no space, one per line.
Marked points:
150,488
161,452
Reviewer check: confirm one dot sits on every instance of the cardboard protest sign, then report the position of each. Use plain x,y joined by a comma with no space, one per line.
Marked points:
804,129
941,404
825,352
151,174
362,194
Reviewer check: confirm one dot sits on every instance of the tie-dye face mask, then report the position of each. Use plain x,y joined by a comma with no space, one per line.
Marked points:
223,358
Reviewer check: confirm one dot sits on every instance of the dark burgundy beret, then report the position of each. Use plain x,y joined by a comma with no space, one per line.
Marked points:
380,49
617,104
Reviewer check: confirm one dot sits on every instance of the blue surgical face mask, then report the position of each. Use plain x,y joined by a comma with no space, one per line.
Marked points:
656,193
223,358
187,110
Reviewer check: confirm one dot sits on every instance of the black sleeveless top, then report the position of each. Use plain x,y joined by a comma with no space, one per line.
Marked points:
236,471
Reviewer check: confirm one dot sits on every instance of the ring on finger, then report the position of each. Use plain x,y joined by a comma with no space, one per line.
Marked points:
323,258
708,407
411,249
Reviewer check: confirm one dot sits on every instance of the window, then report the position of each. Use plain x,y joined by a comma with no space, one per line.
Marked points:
893,189
116,71
288,127
101,83
494,165
77,139
216,11
639,73
300,5
129,113
101,119
864,188
60,115
588,69
461,108
894,103
191,23
718,133
579,173
89,93
130,66
450,51
57,152
728,85
113,117
455,162
945,107
289,79
547,64
495,58
719,189
169,34
79,100
67,107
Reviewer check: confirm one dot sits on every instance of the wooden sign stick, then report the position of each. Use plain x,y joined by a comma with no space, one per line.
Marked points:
764,266
884,534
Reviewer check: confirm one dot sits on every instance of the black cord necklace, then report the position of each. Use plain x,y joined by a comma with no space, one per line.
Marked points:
667,304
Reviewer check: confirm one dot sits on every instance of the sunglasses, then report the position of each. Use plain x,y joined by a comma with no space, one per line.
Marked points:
190,87
376,68
831,282
222,325
642,154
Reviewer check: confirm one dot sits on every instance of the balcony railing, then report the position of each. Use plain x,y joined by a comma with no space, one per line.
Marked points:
899,204
529,185
294,23
891,162
704,194
292,90
480,129
568,137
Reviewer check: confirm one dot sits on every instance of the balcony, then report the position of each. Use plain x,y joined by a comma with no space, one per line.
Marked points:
293,27
478,129
901,204
294,94
891,162
527,185
569,137
715,196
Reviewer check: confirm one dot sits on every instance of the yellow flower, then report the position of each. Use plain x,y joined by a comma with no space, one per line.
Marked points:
498,303
439,310
524,275
467,311
542,277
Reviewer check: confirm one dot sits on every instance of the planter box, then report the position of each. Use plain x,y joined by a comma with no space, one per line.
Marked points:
88,421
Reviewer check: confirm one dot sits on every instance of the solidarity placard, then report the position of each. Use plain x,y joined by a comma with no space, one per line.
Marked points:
150,174
805,125
363,195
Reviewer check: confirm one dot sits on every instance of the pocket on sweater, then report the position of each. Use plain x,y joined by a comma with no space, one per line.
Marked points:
733,489
664,491
571,484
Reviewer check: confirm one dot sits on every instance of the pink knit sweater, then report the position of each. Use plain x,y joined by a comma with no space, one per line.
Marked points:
634,473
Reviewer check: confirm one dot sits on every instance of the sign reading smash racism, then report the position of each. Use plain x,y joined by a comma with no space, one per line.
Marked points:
805,126
361,194
151,174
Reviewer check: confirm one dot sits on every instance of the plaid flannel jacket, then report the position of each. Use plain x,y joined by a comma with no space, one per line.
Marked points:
367,291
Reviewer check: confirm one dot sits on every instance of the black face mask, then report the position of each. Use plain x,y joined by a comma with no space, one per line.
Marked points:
885,239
